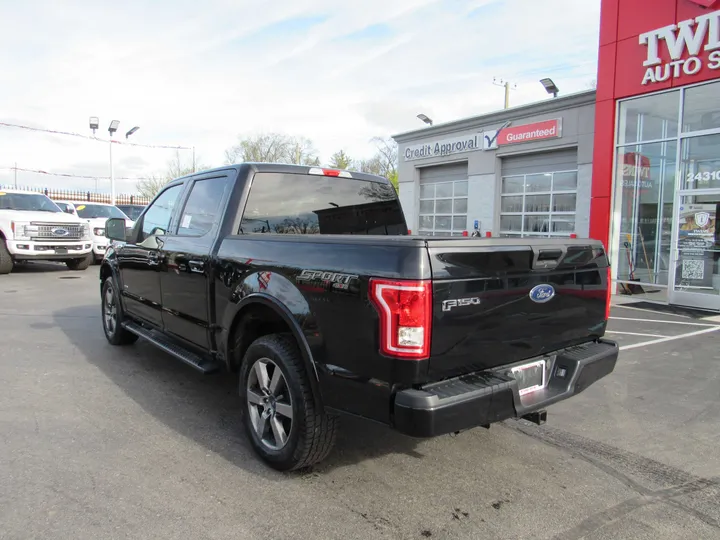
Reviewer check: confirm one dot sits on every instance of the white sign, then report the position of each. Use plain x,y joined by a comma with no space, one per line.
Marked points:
694,37
444,147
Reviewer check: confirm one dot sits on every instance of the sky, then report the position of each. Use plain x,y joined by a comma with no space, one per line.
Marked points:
202,74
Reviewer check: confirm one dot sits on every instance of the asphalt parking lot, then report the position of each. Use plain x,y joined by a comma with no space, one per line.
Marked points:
99,442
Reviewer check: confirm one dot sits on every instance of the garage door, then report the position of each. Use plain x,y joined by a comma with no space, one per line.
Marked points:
443,200
539,194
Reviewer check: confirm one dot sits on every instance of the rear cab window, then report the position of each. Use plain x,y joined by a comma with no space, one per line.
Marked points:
307,204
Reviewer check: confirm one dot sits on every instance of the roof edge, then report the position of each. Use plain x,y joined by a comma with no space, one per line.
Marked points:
586,97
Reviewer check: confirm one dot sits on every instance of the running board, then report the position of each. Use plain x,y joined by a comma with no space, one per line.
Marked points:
162,342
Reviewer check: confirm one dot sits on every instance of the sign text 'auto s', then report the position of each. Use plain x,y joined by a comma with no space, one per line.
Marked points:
683,49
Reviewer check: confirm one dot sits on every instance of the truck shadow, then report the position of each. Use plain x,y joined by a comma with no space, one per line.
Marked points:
206,410
40,267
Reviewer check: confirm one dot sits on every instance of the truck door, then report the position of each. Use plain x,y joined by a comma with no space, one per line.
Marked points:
185,276
140,261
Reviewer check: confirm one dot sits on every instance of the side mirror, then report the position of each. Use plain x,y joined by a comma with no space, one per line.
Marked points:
115,229
69,210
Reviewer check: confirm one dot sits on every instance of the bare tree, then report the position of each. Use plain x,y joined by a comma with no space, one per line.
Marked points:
302,152
273,148
387,155
175,168
148,187
384,162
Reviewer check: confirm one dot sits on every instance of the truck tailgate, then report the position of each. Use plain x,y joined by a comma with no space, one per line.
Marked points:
499,301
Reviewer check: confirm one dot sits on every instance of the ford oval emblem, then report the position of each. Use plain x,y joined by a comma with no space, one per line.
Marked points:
542,293
60,232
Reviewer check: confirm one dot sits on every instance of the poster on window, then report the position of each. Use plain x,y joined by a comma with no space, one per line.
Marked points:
696,241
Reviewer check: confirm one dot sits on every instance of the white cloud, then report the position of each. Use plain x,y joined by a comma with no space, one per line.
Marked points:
337,72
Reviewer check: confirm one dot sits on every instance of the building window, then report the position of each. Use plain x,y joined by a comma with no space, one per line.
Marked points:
443,208
538,204
665,142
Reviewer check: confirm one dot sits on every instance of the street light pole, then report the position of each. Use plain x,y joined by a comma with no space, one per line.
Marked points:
112,175
94,124
111,130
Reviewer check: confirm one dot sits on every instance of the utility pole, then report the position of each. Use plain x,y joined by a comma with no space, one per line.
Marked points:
508,86
193,150
16,175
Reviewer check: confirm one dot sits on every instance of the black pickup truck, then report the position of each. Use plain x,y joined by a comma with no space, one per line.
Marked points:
306,282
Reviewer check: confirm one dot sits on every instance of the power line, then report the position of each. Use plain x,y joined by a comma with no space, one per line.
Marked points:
88,137
70,175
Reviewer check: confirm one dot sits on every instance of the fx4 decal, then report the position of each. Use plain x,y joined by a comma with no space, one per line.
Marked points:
337,280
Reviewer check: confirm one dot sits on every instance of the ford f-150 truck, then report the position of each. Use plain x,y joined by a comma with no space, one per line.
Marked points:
305,281
34,228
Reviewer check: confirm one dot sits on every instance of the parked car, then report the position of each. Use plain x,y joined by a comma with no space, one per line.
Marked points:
96,214
305,281
133,211
67,207
33,228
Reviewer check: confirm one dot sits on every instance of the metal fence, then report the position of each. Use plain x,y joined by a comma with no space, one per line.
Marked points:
77,195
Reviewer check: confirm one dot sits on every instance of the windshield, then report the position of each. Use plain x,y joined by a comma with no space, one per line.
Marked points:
91,211
30,202
305,204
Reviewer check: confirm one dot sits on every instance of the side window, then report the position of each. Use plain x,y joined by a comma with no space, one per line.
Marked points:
157,217
202,209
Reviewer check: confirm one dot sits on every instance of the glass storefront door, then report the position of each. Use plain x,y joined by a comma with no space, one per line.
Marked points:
695,268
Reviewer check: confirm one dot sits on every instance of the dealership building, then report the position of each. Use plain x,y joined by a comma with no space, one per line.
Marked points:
635,163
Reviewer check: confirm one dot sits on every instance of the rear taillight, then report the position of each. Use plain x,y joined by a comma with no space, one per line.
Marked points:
405,309
609,294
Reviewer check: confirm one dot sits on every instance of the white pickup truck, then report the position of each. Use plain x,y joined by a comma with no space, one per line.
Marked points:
33,228
96,214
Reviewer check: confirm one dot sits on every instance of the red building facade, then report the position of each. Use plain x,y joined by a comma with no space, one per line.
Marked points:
656,162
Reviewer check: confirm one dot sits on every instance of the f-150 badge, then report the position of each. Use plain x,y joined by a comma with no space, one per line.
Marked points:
449,305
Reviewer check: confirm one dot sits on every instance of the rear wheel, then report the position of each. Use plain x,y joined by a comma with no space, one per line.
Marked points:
80,264
6,262
281,421
113,316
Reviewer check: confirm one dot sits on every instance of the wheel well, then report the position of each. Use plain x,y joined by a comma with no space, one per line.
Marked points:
251,323
105,272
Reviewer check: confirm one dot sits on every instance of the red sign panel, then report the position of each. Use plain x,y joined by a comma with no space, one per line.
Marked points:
681,47
550,129
704,3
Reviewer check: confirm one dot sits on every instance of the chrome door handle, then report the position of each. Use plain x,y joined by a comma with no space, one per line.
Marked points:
197,267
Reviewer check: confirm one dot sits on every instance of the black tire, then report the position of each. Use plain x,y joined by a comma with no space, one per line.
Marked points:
81,264
112,318
311,432
6,262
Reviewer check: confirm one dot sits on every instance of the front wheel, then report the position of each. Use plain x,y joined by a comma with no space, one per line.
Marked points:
112,316
81,264
6,262
281,421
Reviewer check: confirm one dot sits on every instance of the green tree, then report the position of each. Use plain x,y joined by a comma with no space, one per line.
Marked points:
340,160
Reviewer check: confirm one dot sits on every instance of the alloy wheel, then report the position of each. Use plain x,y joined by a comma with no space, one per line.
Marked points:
269,404
110,310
